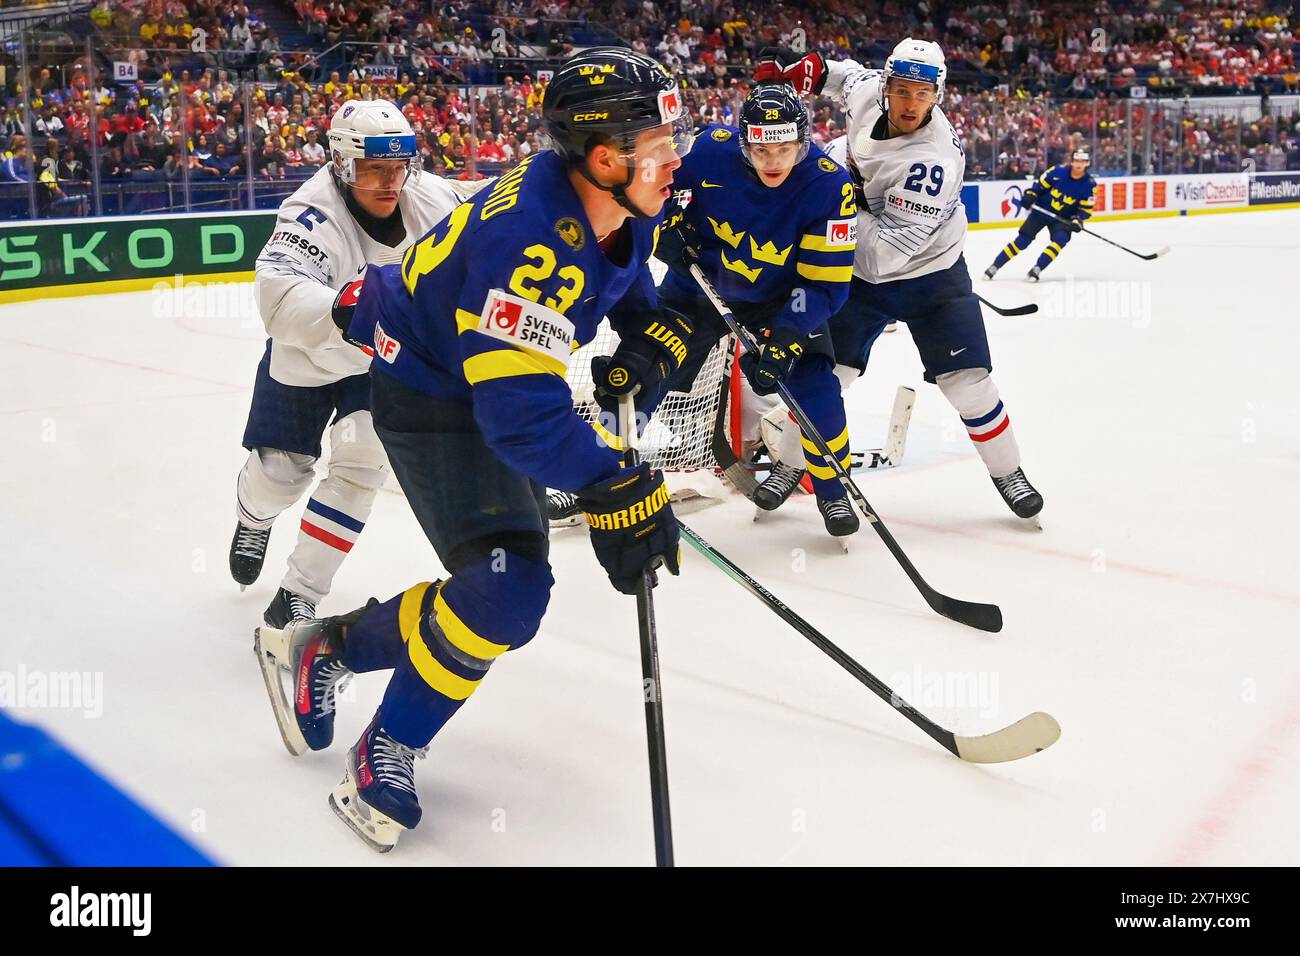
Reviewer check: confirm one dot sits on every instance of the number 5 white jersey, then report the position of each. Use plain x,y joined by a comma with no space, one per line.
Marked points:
913,222
316,249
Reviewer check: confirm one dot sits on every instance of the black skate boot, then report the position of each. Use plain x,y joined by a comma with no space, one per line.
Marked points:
991,271
1021,497
778,486
838,514
310,655
1034,273
376,797
247,552
562,509
287,607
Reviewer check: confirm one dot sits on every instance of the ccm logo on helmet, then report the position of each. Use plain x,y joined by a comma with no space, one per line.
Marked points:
589,117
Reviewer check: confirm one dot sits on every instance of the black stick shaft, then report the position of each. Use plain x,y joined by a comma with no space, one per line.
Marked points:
1014,310
651,687
878,687
1133,252
986,617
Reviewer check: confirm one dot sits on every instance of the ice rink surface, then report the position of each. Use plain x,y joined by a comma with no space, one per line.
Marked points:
1155,616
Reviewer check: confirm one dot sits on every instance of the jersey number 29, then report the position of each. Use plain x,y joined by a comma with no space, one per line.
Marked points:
916,177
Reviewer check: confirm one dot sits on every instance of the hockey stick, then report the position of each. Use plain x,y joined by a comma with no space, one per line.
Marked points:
1148,256
650,683
985,617
1029,309
1024,738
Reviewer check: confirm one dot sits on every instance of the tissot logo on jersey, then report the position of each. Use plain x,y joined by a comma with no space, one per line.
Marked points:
842,232
298,243
527,325
920,208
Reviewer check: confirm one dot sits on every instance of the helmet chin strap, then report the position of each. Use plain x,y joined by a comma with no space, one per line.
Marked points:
619,191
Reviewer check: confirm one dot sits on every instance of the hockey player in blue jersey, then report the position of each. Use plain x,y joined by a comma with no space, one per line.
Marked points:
772,222
1065,191
472,336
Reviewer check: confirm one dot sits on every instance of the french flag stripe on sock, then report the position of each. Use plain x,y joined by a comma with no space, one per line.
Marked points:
331,526
320,534
339,518
968,422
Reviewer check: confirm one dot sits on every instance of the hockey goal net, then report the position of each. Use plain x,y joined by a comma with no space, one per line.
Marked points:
689,430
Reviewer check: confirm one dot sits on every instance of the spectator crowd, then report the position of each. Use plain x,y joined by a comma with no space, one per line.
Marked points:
206,92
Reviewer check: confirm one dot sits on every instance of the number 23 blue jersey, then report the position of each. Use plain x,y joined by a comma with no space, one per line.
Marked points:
488,306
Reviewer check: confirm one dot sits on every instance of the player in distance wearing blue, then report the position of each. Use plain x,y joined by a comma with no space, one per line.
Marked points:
1066,190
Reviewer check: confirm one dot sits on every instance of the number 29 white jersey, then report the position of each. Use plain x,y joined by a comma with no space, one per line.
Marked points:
913,222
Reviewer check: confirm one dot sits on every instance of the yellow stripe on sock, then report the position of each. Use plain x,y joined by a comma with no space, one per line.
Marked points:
408,612
459,634
834,444
434,674
826,472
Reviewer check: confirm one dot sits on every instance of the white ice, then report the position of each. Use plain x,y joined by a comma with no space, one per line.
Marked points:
1155,615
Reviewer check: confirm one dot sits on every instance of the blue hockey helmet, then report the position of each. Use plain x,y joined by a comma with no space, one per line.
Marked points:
773,114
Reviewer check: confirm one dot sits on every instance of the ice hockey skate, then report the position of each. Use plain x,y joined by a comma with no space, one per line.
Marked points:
287,607
376,796
1021,497
248,553
303,670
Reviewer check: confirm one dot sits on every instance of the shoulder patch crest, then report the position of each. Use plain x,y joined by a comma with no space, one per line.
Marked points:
571,231
721,135
827,165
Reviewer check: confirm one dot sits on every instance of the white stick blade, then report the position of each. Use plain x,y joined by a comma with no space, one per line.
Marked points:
1024,738
899,420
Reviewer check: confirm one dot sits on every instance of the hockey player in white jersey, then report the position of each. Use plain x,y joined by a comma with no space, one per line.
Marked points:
367,204
908,164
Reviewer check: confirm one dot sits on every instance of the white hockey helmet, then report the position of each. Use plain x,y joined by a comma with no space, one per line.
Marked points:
918,60
370,129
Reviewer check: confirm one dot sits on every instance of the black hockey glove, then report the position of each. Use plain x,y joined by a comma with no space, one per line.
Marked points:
807,74
345,305
1076,225
679,244
1027,199
648,353
780,349
633,528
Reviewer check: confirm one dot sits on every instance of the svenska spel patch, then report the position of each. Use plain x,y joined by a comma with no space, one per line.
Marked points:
774,133
529,326
842,232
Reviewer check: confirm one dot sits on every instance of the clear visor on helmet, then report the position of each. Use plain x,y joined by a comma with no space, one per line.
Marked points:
658,146
773,146
922,92
387,164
